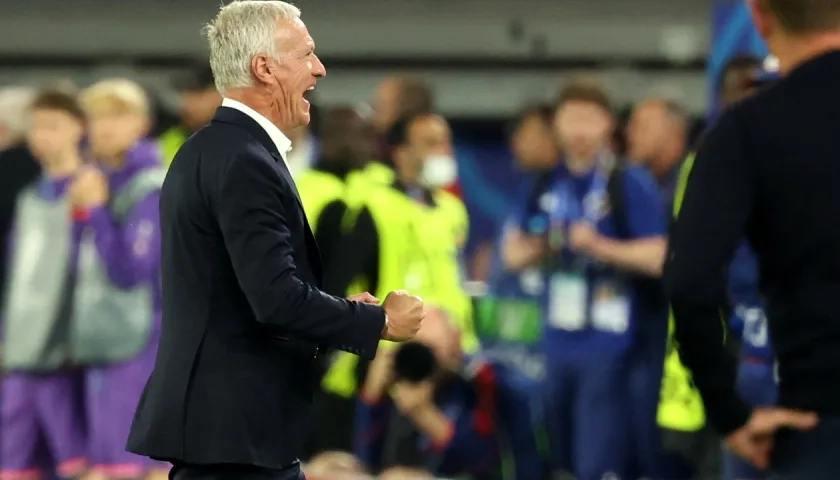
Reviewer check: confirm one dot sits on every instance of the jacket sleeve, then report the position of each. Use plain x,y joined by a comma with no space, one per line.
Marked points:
131,251
256,208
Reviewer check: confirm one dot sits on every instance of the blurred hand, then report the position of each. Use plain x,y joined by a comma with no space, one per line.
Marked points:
89,189
412,397
582,236
405,312
380,375
364,297
754,441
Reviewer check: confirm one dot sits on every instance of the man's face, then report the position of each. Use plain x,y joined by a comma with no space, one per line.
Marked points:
350,139
647,131
53,133
582,128
739,83
427,137
198,107
386,104
295,73
533,144
112,133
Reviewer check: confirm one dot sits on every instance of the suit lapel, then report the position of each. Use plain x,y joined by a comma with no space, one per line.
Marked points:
232,115
310,236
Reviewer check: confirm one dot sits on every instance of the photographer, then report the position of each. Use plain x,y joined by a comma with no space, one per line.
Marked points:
466,411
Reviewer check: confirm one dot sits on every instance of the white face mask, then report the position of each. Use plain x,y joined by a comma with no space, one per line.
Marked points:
439,171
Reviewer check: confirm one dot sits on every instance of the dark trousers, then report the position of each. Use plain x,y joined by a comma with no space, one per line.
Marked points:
234,472
811,455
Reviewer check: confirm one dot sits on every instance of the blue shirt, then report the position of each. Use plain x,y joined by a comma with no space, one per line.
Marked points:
588,303
748,318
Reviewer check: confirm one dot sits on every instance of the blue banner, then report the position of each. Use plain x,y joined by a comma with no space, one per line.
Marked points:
733,34
488,182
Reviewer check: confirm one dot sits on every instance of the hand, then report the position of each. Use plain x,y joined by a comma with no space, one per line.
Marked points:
380,375
364,297
582,237
405,312
89,189
754,441
412,397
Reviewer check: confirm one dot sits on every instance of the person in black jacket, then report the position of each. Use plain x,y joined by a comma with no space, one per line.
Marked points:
768,170
16,162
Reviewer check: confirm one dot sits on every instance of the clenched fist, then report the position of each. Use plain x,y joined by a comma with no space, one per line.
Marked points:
89,189
405,312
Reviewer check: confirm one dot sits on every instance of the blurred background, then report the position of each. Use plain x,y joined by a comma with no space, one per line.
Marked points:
479,62
483,59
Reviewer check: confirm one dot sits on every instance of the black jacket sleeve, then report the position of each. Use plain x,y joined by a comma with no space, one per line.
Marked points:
254,208
715,199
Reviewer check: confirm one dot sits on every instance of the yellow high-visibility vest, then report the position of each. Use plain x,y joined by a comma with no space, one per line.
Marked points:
170,142
680,404
418,252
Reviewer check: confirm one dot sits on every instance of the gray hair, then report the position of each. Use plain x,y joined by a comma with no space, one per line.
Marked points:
14,108
240,31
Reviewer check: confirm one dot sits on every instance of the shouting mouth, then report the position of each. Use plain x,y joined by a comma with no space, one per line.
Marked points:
307,93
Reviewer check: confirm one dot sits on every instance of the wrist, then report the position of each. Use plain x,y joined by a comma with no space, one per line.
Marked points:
385,327
372,395
597,246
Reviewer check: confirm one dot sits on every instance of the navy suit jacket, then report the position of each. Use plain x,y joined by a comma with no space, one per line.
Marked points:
244,321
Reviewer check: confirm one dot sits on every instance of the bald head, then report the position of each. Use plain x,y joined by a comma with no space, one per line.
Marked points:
657,133
347,138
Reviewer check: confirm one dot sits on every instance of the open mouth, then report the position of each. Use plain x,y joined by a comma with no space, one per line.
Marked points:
308,93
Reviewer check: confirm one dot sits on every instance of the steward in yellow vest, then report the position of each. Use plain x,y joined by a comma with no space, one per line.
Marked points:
170,142
332,191
408,236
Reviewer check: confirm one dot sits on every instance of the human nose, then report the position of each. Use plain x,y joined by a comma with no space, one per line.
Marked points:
319,70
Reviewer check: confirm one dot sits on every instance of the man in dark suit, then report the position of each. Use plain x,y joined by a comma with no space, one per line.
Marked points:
244,321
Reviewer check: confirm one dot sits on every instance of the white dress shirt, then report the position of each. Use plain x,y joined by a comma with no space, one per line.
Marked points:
284,145
302,156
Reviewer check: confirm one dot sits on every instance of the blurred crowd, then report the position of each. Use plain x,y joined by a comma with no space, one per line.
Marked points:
543,353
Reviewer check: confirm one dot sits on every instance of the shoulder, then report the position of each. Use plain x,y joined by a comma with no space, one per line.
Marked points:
450,202
638,180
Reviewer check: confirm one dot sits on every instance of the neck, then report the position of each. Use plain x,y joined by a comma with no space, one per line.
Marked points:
261,101
64,166
664,165
580,164
795,51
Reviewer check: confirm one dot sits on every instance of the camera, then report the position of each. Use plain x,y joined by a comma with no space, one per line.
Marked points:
414,362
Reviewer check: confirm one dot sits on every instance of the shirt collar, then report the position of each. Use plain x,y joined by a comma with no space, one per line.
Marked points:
284,145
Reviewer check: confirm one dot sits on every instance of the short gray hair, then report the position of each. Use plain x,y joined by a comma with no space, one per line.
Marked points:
14,108
241,30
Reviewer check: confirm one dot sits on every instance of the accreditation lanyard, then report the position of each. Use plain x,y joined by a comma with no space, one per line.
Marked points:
569,208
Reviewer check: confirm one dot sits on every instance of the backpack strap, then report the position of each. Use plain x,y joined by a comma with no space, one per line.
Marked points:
142,185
